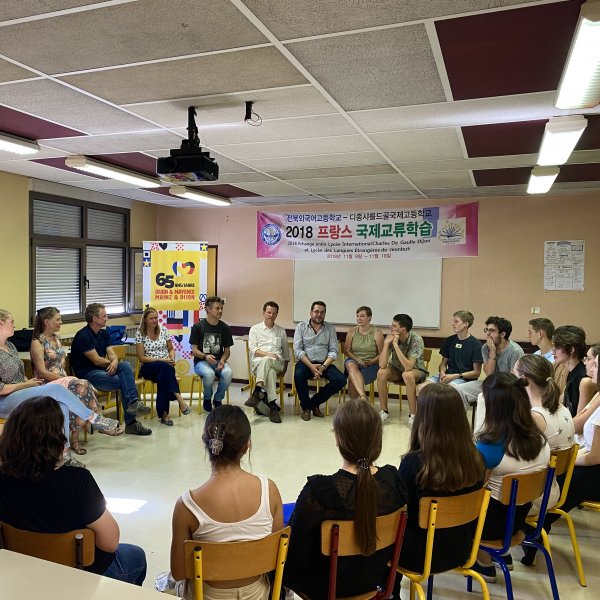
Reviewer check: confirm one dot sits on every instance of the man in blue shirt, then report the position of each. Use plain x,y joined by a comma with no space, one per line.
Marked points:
316,348
93,358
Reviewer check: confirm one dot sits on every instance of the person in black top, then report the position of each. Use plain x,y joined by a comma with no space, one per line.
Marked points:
41,494
569,350
442,461
358,491
211,341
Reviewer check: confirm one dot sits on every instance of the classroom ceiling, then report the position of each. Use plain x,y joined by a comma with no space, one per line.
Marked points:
359,99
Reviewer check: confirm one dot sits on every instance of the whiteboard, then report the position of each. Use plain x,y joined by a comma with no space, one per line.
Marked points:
389,287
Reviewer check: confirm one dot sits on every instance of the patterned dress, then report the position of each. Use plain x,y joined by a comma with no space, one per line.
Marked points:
54,359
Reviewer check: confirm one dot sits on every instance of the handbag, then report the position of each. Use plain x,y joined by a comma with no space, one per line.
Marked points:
22,339
117,334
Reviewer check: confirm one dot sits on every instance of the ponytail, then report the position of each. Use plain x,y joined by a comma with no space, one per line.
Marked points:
366,508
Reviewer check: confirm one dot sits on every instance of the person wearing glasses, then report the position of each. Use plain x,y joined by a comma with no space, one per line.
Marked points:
211,341
499,353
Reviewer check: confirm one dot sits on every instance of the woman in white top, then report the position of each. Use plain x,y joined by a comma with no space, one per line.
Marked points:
552,418
156,354
584,413
233,505
585,482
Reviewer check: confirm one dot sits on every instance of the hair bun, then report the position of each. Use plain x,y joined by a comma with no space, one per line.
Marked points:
521,383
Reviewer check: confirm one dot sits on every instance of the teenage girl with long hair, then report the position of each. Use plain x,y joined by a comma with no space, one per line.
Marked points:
360,491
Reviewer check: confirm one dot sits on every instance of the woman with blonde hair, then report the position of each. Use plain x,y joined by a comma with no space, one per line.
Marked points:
233,505
156,354
359,491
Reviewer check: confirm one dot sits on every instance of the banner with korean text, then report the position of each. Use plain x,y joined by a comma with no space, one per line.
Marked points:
385,234
175,281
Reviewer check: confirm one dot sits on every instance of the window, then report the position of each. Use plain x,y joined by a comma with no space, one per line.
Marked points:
79,255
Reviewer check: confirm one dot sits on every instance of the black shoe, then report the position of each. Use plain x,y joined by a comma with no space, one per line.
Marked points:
263,409
207,405
136,428
166,421
529,555
274,415
216,404
255,398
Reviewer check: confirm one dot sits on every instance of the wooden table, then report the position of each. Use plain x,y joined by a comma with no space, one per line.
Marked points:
24,577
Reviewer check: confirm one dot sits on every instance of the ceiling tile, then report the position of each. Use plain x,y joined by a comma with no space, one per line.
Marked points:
334,172
317,161
238,178
21,124
41,171
568,173
110,144
282,129
294,101
274,201
425,144
10,72
504,138
297,18
47,99
271,188
340,188
507,52
27,8
393,67
321,146
214,74
395,180
445,179
127,33
361,196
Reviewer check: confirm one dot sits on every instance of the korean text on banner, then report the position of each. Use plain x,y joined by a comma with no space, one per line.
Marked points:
403,233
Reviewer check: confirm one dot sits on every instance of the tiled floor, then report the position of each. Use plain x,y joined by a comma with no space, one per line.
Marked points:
157,469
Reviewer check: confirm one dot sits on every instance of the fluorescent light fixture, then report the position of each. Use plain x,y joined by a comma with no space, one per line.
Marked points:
83,163
580,82
183,192
541,179
12,143
560,138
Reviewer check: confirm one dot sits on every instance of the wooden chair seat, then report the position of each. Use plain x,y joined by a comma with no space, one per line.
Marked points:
515,540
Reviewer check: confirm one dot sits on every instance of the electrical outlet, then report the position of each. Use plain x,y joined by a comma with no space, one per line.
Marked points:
535,310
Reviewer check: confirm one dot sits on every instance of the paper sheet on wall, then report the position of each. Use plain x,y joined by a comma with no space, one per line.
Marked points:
563,265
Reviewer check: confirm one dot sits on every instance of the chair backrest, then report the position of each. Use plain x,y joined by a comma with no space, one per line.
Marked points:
427,357
226,561
565,463
73,549
452,511
530,486
120,351
338,539
442,512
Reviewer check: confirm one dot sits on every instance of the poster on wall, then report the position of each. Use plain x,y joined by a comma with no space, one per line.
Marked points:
175,284
564,265
363,235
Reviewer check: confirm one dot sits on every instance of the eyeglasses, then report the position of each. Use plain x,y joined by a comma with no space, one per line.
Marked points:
489,330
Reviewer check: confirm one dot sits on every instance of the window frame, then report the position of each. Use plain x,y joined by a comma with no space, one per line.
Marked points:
82,243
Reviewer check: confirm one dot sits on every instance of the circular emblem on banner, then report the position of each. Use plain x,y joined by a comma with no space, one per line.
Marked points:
270,234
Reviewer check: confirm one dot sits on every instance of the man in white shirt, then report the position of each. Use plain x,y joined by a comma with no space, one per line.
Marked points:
540,333
269,355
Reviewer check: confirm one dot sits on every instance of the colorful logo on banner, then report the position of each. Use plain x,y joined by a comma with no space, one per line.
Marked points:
175,283
173,279
428,232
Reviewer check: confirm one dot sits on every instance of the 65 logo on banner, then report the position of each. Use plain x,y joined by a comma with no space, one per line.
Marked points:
180,269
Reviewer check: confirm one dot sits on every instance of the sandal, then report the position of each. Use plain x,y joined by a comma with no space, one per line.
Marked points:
75,447
116,431
185,411
166,421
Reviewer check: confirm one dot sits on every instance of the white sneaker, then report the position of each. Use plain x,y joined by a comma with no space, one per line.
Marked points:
385,417
411,419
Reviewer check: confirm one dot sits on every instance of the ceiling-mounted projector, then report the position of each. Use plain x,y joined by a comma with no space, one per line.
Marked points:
188,163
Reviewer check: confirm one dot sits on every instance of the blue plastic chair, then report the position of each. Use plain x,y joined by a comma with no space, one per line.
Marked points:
519,489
